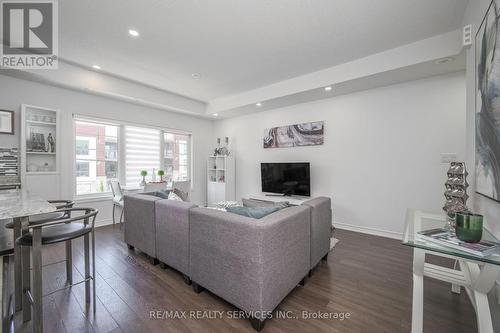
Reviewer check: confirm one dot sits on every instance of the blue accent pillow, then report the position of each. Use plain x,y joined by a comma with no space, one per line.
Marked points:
163,194
253,212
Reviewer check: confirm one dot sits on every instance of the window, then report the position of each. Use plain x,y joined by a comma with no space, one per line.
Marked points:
98,155
96,152
82,169
176,156
82,147
142,152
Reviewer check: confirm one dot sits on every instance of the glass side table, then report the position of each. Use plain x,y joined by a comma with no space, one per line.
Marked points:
477,274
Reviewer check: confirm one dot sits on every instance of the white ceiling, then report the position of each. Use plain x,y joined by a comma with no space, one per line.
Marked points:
238,45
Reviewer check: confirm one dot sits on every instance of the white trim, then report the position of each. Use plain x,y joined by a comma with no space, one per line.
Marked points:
93,197
103,223
369,231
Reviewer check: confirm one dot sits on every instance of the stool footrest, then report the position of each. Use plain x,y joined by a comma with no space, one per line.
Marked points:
30,296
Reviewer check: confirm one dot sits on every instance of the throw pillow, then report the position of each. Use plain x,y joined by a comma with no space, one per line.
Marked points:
226,204
173,196
263,203
183,195
253,212
163,194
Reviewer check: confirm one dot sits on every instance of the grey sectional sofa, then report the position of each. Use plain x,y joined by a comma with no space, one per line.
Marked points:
253,264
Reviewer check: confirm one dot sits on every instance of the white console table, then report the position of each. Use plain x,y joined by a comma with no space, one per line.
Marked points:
477,274
292,200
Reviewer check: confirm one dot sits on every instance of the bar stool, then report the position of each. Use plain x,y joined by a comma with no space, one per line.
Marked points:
41,218
51,232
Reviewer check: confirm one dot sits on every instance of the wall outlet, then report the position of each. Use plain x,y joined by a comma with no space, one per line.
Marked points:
448,158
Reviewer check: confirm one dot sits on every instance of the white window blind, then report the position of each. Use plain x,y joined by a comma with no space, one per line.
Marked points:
142,152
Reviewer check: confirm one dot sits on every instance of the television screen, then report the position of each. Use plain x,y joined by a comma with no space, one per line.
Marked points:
286,178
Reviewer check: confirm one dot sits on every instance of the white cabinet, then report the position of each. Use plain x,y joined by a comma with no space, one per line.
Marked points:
220,179
40,158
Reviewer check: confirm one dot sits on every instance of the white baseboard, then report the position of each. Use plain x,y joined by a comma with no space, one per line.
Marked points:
369,231
102,223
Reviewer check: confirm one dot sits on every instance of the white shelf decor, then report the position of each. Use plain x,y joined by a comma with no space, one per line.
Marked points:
220,179
40,150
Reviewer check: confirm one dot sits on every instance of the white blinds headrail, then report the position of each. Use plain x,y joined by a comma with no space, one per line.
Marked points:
142,152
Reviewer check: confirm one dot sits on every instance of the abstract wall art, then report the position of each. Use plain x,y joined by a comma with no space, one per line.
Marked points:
306,134
488,104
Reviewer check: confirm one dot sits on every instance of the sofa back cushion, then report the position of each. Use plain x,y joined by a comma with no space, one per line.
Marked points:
253,212
263,203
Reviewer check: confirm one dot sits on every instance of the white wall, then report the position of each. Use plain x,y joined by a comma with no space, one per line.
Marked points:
14,92
381,152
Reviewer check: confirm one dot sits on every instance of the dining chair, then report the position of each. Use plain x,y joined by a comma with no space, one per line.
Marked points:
116,189
52,232
184,186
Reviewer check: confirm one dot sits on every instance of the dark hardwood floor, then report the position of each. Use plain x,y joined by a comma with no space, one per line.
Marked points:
366,276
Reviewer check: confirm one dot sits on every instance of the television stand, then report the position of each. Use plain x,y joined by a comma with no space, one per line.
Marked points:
269,197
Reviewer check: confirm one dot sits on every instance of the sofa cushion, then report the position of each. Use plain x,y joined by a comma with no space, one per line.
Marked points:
263,203
253,212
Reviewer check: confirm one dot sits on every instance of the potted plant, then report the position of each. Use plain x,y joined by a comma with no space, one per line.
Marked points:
161,173
144,173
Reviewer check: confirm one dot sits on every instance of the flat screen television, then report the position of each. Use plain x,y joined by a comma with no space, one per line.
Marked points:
286,178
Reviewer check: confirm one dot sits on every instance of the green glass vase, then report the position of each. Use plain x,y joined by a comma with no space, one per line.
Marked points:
469,227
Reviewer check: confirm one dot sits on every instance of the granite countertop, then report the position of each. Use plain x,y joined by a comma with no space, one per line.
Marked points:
18,203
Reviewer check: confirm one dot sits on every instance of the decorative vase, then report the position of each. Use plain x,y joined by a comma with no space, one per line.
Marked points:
456,193
469,227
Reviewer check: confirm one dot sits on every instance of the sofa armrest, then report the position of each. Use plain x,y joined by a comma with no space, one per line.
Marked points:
251,263
139,215
321,224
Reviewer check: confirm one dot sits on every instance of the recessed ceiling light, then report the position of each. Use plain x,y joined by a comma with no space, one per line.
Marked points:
96,67
328,88
444,60
133,33
258,104
196,75
215,114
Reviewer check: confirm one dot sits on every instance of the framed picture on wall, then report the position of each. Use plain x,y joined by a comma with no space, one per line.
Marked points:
488,104
6,122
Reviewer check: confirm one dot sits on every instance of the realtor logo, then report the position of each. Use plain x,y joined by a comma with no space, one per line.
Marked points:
29,34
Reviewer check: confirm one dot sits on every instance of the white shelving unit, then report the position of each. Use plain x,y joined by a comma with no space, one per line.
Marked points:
40,160
220,179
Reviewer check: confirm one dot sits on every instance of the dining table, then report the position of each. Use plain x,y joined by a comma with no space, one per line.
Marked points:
18,205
